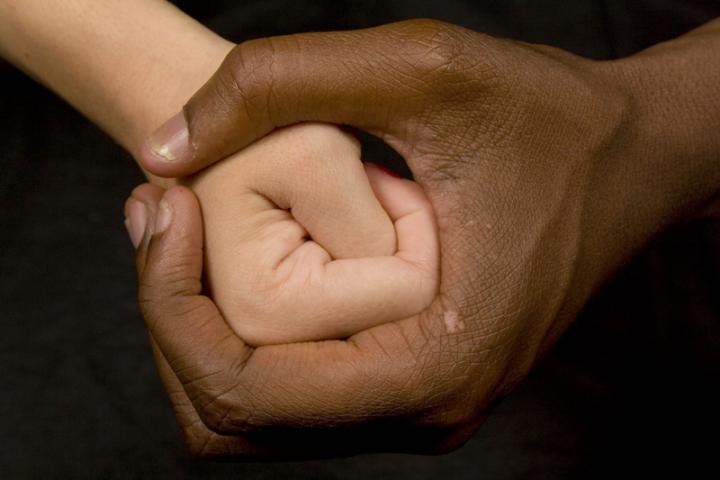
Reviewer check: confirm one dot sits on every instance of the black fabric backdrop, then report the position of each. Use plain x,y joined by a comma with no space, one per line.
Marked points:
629,390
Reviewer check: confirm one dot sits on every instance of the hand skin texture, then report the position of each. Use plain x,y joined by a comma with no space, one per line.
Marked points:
546,171
273,284
125,64
130,64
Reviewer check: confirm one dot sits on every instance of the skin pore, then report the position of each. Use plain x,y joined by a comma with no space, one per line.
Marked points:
302,241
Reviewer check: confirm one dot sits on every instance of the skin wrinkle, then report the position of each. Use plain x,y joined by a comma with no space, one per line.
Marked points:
415,354
203,379
237,86
184,370
270,99
192,426
222,422
221,409
350,209
537,198
247,388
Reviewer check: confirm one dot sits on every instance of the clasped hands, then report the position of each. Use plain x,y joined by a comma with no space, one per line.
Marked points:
531,189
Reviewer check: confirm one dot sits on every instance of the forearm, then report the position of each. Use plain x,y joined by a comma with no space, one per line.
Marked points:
127,65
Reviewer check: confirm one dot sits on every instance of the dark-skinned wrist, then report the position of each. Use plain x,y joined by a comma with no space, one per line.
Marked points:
655,153
675,107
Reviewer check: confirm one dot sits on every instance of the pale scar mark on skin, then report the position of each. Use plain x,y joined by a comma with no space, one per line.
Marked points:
453,323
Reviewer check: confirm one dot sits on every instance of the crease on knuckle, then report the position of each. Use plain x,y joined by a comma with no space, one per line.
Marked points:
199,441
174,274
439,52
155,310
225,413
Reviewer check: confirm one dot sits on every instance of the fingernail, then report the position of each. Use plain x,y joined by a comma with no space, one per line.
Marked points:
164,216
171,142
388,171
135,221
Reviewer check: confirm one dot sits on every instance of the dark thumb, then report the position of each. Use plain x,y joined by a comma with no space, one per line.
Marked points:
374,79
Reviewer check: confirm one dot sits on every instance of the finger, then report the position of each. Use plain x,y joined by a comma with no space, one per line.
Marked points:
201,441
373,79
411,213
187,326
317,385
369,380
234,388
323,184
329,196
291,443
358,293
140,208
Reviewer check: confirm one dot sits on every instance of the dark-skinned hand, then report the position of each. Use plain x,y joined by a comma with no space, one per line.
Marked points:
546,171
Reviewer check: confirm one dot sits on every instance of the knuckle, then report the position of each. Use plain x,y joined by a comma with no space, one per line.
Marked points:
199,449
439,50
226,414
200,442
323,152
325,145
261,329
249,68
250,60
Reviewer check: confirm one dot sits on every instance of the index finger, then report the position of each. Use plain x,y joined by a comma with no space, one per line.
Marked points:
291,443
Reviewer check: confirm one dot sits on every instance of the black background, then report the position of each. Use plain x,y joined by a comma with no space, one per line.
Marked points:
629,390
